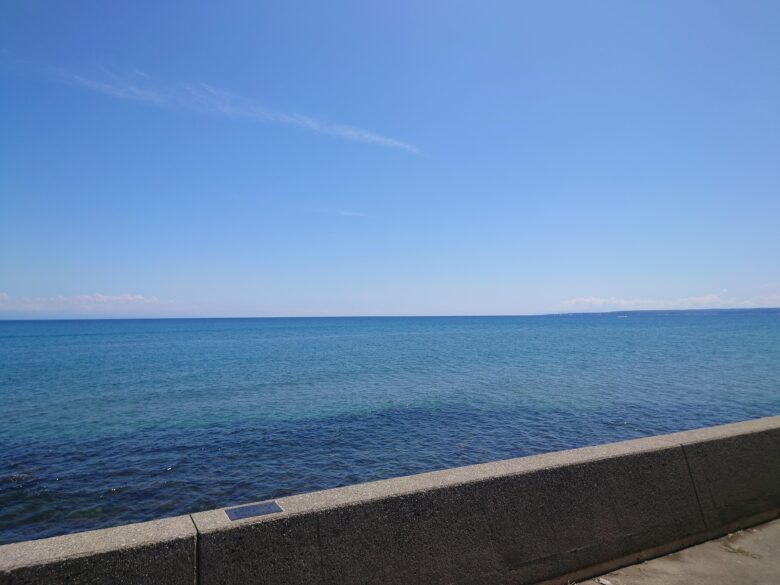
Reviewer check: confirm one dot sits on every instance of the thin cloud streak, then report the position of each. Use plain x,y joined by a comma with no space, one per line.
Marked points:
97,305
593,303
207,99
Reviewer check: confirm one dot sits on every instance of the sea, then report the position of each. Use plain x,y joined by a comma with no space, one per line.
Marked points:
106,422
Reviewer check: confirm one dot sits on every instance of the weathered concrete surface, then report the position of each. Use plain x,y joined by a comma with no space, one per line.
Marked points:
748,557
285,550
159,552
519,521
736,471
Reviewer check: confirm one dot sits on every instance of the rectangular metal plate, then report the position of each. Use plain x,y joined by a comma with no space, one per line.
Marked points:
260,509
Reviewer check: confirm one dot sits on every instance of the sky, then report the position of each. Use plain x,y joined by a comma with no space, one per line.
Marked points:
172,159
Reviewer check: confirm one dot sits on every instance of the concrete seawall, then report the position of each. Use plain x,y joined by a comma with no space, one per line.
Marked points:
548,518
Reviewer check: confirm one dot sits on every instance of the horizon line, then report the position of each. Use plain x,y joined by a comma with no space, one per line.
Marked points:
467,316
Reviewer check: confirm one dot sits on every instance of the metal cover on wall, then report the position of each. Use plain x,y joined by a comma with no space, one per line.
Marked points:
250,510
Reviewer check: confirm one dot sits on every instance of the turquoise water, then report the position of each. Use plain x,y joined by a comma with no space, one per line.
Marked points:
108,422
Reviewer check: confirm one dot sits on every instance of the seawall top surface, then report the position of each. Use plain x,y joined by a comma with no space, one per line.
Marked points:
216,520
727,431
70,546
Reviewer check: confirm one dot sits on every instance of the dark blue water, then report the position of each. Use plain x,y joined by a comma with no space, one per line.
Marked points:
108,422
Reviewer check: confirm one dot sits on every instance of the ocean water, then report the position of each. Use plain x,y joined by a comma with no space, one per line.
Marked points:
109,422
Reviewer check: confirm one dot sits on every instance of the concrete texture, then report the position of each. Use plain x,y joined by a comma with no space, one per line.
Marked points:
747,557
286,550
736,471
159,552
519,521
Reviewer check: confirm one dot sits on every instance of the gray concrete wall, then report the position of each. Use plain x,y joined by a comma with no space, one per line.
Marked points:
158,552
736,472
548,518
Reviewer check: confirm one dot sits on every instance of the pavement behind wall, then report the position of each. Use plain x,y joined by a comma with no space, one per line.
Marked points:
747,557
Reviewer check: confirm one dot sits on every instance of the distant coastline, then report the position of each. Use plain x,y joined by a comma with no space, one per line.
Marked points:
555,314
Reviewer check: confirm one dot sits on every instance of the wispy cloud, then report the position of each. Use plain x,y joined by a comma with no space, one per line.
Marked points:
593,303
206,99
98,305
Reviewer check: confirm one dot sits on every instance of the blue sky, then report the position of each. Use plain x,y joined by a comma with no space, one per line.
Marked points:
415,158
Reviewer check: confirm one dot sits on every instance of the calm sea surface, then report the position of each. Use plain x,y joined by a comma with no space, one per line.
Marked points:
109,422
